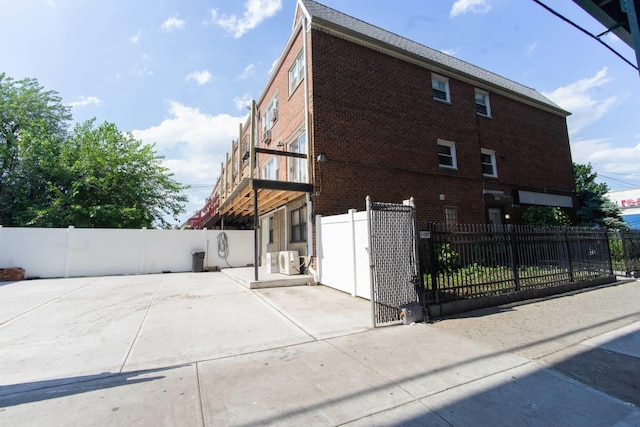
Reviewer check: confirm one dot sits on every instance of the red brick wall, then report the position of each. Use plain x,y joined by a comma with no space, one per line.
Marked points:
375,118
290,109
11,274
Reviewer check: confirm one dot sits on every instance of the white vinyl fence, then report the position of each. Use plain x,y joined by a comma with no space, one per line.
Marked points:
343,259
71,252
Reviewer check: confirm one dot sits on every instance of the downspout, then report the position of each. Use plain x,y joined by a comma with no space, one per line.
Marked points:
310,157
307,128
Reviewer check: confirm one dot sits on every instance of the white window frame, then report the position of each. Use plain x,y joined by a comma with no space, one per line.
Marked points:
296,73
486,105
298,224
270,115
451,215
452,154
270,169
445,81
298,166
494,165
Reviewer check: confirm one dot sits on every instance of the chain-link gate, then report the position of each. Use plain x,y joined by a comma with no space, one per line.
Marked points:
393,260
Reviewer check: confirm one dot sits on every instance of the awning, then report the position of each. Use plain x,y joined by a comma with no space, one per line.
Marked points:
271,195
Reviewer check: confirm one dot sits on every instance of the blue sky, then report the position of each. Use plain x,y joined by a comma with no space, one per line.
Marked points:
181,73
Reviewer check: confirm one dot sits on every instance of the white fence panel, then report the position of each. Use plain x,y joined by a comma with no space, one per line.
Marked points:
44,250
62,252
170,250
342,253
100,252
239,245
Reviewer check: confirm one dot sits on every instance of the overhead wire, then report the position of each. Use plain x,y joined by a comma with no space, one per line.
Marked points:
593,36
618,180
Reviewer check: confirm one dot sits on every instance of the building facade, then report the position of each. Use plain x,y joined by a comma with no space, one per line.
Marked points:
629,203
351,110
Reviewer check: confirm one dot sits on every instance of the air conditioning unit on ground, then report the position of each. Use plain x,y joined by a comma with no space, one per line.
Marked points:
271,260
289,262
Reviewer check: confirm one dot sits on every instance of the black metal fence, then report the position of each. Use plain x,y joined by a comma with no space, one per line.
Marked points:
470,261
625,252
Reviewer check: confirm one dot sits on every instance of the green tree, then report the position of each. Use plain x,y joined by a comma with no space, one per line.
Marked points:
105,178
594,208
541,216
32,123
88,176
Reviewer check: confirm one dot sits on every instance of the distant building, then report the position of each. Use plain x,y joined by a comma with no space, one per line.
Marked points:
629,203
352,110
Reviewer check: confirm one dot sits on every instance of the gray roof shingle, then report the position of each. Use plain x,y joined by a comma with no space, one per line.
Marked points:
320,13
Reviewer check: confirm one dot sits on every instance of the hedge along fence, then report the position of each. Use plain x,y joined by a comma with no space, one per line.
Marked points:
461,262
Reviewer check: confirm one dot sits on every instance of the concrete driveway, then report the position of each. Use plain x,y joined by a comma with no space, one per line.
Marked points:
200,349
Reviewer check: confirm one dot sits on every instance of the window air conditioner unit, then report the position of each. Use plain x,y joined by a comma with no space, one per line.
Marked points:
289,262
266,137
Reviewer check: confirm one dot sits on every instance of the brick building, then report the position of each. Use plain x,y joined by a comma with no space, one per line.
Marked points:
389,118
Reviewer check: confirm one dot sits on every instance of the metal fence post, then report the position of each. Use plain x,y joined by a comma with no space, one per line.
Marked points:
432,266
569,253
515,259
371,264
606,237
627,263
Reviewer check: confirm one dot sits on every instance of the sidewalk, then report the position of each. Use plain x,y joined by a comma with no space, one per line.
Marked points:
200,349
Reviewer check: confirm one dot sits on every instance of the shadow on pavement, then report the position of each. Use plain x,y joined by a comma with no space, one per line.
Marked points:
580,390
16,394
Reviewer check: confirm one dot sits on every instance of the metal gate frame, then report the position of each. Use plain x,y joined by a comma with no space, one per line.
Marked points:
393,260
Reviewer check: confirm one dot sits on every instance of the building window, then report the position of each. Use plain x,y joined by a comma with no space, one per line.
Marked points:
447,154
270,229
482,103
440,87
270,114
298,167
296,73
488,162
270,169
245,149
451,215
299,225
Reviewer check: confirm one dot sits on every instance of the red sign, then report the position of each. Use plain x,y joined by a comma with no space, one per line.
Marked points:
630,203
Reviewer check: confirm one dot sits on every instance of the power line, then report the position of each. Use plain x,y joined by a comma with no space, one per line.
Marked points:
618,180
593,36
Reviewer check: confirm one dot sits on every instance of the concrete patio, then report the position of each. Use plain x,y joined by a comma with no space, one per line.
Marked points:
201,349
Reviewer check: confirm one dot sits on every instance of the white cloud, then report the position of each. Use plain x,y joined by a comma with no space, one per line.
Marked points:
135,39
451,52
172,23
606,158
194,144
583,151
85,101
469,6
141,71
200,77
242,102
255,12
577,98
248,71
531,48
